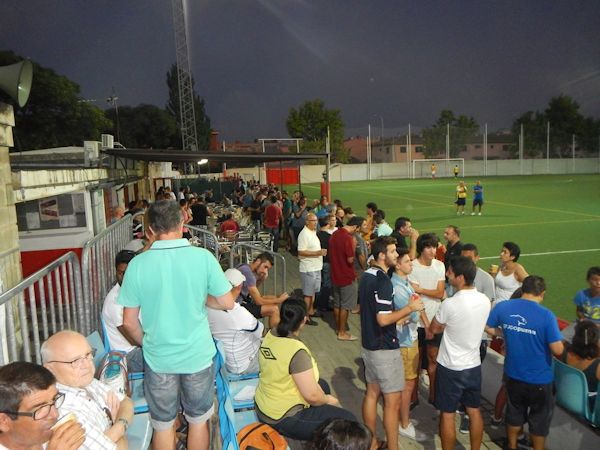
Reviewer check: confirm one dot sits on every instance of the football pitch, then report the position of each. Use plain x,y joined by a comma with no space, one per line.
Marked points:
555,219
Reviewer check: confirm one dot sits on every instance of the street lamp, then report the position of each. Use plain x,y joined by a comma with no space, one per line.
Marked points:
202,162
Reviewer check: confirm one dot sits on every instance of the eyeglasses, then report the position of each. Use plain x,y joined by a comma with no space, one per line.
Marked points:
41,412
79,362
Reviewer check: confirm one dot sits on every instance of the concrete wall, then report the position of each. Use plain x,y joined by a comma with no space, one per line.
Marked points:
10,264
378,171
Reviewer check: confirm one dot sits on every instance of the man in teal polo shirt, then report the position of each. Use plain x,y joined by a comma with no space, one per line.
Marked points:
169,286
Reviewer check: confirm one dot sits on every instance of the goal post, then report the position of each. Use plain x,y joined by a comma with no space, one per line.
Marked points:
444,167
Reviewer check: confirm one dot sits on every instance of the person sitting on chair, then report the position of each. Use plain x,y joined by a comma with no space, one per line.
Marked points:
103,413
290,396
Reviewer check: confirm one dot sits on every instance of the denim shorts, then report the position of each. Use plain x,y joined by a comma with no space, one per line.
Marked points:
165,392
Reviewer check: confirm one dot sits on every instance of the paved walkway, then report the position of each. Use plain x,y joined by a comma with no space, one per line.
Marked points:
340,364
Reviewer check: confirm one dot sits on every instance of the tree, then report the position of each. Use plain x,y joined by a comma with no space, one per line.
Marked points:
203,128
146,126
463,130
565,122
310,122
55,114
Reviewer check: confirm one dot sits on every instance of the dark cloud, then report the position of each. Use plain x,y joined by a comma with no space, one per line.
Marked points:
253,60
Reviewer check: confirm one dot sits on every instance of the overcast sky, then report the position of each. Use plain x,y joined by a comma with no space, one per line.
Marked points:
394,61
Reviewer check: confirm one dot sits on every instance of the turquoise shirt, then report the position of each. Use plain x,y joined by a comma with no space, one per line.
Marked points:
170,283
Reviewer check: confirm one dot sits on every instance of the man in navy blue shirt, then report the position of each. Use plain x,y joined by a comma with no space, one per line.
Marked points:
531,335
384,372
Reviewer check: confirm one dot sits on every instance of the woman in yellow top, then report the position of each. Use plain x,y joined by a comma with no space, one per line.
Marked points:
290,397
461,198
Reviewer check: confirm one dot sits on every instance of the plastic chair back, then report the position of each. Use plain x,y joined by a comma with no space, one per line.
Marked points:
571,389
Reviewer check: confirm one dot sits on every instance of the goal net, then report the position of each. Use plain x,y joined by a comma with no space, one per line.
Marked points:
444,167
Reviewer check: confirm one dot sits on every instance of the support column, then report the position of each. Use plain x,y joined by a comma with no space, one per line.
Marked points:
10,257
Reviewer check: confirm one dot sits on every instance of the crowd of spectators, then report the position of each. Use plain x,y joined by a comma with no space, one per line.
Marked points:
426,312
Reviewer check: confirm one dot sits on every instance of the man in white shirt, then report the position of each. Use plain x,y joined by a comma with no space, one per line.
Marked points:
103,413
462,318
112,316
310,255
238,330
28,411
428,280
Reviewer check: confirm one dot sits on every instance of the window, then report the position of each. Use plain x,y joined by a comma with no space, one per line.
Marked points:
505,147
492,146
52,213
477,146
419,149
403,149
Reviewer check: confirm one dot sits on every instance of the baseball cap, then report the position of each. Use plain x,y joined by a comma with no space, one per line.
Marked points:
235,277
356,221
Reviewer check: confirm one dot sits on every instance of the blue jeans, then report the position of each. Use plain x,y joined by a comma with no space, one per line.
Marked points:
303,424
165,392
275,233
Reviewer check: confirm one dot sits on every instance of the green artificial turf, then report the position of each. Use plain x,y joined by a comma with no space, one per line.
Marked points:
546,214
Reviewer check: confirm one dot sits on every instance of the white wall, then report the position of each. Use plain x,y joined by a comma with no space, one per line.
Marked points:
359,172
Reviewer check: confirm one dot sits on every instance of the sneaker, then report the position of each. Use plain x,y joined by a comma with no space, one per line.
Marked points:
478,214
463,213
524,443
424,379
457,213
411,432
472,213
464,424
495,423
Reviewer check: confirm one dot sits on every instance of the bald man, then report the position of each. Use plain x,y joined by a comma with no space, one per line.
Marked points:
103,413
310,255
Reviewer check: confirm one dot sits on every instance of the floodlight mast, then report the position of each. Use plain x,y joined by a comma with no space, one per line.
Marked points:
184,79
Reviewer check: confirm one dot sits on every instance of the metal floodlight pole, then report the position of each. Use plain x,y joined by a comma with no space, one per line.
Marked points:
485,150
408,150
573,152
447,141
369,154
548,147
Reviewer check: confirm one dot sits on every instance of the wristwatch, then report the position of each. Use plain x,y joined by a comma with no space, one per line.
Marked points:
124,422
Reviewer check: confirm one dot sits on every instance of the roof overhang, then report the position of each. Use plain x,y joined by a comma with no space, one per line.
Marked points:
193,157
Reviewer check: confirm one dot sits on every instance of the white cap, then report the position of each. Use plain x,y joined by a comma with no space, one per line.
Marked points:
235,277
135,246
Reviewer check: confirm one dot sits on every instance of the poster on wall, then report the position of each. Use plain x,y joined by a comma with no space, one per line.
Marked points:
49,209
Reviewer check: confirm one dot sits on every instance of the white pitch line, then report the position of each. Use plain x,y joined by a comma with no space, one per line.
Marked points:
587,250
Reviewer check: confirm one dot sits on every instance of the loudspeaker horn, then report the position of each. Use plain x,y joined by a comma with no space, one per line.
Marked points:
16,80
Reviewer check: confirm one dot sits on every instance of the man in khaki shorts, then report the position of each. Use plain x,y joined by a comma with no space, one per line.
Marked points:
406,331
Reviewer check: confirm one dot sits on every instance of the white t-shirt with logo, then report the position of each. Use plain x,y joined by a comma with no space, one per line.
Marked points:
464,316
241,335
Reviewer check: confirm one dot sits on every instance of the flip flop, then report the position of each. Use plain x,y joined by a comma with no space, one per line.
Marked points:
351,338
382,445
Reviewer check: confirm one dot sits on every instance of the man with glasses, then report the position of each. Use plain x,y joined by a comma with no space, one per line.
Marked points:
28,410
104,415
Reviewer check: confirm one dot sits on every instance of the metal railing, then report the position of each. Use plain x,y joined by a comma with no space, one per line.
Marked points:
51,297
205,239
98,267
243,253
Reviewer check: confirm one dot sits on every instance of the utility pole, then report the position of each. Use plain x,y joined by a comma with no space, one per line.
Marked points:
112,100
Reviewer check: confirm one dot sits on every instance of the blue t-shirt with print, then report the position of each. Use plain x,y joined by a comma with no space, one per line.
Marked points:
402,293
590,306
528,329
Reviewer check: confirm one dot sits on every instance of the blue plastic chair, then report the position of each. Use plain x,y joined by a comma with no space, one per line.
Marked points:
572,390
236,383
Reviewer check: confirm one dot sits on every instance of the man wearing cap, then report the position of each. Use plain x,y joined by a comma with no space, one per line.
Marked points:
238,330
342,247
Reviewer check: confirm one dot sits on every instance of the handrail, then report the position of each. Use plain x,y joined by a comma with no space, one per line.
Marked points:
208,240
59,292
97,267
245,253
